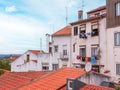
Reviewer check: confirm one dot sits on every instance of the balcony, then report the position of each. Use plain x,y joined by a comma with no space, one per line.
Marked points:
64,57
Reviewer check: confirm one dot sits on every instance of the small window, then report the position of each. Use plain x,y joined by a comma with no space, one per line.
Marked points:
70,85
73,47
28,58
118,69
55,48
82,51
97,14
64,52
117,39
117,9
50,49
55,66
75,31
82,31
95,29
94,51
45,68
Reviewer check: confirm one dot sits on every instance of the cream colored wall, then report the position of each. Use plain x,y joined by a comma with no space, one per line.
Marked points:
60,41
113,52
101,40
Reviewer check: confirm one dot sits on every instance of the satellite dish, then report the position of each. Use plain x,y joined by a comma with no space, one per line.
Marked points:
88,66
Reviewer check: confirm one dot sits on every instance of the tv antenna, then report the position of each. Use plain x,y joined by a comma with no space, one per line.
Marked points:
83,5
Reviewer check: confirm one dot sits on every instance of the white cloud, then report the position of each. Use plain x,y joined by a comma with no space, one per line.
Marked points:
10,9
72,4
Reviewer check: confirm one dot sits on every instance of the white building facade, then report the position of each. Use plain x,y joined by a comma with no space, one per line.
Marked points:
113,38
57,57
61,46
89,40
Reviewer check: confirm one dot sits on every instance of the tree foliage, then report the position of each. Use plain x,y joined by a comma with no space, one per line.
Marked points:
5,64
2,72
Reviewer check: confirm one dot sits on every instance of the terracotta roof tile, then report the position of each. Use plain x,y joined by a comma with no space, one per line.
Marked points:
94,87
32,75
64,31
9,81
36,51
15,80
97,9
55,80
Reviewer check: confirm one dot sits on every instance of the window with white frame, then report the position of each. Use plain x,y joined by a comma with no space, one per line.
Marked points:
75,30
83,51
55,48
70,84
95,28
117,9
117,39
45,66
64,52
118,69
55,66
94,51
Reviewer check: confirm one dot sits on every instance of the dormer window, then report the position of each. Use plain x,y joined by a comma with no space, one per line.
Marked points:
95,29
117,9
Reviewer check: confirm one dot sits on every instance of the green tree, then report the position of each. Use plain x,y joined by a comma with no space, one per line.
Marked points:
2,72
5,64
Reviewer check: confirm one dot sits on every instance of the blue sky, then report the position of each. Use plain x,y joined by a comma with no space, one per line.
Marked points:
24,22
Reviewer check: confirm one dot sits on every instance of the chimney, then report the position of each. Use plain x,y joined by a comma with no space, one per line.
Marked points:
80,14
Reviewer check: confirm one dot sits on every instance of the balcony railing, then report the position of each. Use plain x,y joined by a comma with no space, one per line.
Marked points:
64,57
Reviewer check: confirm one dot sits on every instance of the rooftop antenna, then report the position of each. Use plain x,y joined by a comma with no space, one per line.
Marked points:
82,4
40,43
66,14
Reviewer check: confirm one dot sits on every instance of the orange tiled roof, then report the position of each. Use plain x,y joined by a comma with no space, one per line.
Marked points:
36,51
10,81
64,31
55,80
15,80
97,9
5,72
94,87
32,75
13,58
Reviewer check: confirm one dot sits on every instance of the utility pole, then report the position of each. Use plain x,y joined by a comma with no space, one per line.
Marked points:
66,15
40,43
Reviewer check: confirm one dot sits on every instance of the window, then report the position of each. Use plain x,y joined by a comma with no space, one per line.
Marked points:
55,66
94,51
117,39
95,29
75,31
97,14
55,48
118,69
50,49
73,47
117,9
28,57
64,52
82,31
82,51
70,85
45,68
